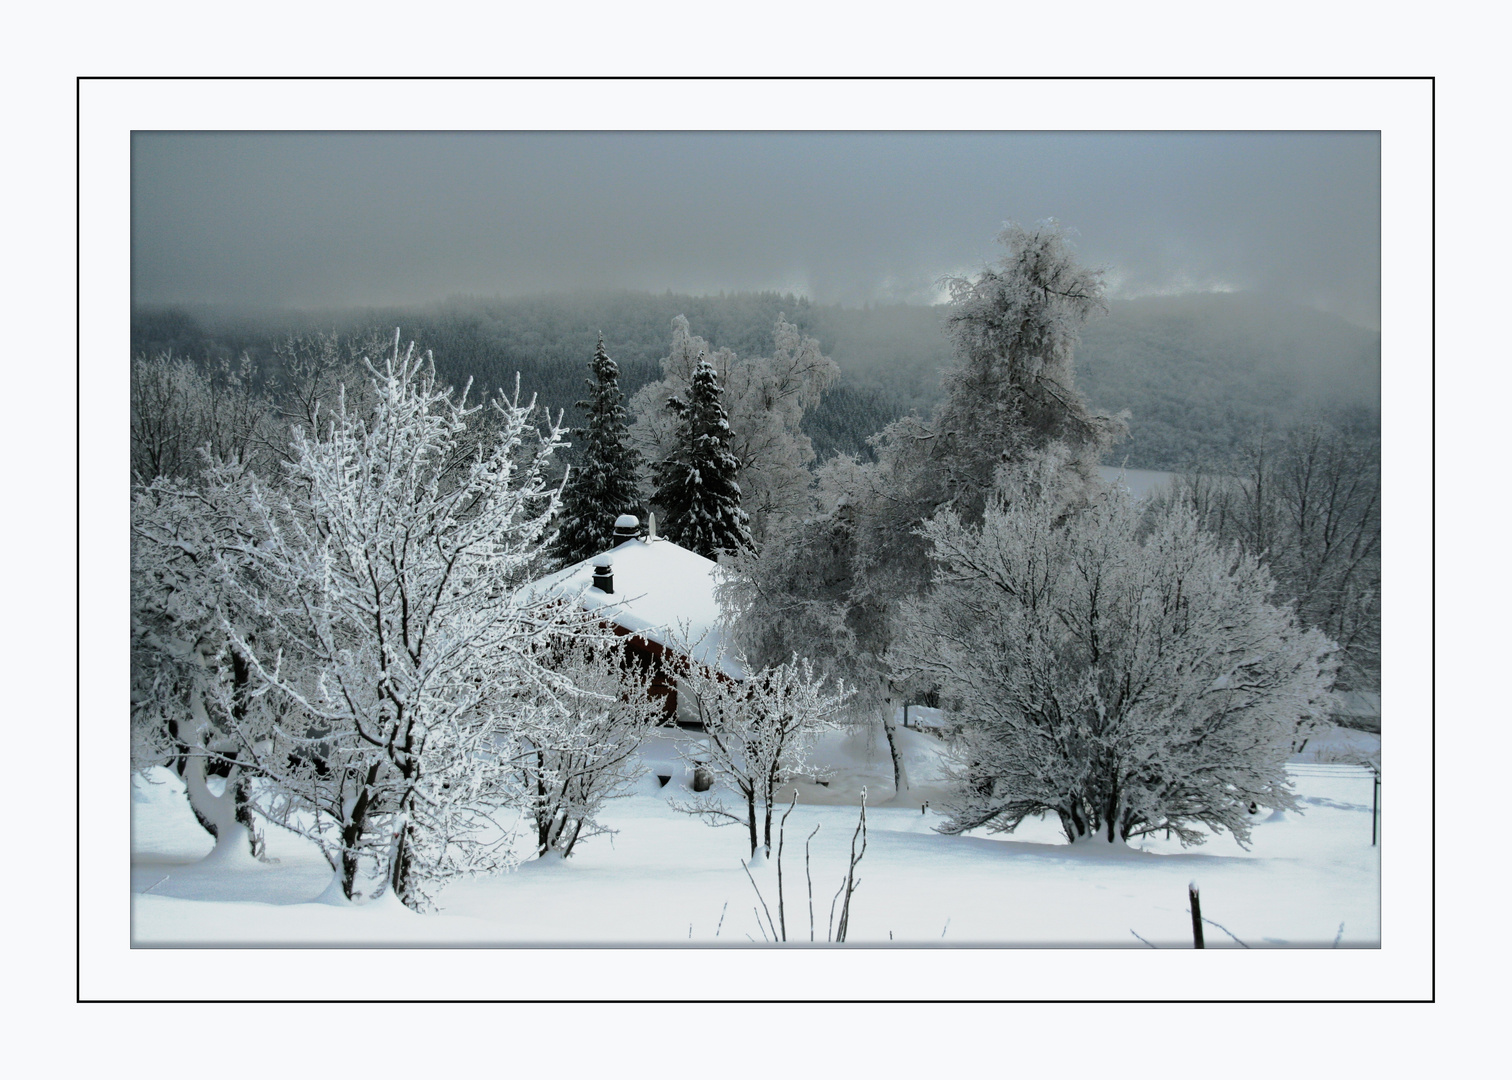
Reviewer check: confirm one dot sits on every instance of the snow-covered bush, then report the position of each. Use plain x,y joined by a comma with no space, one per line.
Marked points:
589,754
1125,682
757,733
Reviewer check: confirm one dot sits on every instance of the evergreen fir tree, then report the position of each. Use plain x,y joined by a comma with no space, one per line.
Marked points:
606,482
695,486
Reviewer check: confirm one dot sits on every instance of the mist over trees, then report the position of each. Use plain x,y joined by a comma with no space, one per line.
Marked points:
1199,374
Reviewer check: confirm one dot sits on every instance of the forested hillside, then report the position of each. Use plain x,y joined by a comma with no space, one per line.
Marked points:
1200,375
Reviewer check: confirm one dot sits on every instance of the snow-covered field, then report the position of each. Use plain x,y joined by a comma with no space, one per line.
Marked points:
666,878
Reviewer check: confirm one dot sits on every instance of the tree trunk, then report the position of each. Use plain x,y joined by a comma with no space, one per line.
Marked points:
400,865
751,818
351,833
900,779
576,828
227,816
241,793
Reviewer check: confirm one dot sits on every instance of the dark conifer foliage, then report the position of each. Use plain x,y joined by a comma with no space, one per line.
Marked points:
606,482
695,487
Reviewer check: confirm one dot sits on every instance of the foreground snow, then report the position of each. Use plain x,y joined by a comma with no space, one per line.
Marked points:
665,878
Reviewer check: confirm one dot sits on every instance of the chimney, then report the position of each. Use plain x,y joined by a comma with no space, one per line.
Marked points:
603,574
626,527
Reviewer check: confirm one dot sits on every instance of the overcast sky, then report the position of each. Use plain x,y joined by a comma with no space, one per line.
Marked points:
320,220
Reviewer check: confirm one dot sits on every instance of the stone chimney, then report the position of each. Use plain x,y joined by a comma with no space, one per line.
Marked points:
603,574
626,527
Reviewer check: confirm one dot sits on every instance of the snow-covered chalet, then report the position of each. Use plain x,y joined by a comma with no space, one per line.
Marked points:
661,596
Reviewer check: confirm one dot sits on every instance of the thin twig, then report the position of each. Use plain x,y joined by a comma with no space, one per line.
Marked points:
721,917
1220,926
1339,936
947,927
760,927
781,835
747,869
851,881
810,876
1132,931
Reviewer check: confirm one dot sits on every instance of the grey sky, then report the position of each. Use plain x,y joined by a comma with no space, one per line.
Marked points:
315,220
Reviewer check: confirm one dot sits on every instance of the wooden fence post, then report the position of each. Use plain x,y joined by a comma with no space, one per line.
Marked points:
1196,916
1375,806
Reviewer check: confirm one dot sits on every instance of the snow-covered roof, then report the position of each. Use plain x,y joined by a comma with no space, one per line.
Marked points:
662,592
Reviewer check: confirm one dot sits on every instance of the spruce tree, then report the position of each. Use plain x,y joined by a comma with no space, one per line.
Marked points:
606,482
695,486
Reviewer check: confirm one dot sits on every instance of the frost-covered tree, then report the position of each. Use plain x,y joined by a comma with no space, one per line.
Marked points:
765,398
570,768
1010,397
183,416
606,481
392,579
191,692
1126,682
309,372
1309,506
757,734
795,595
1013,390
695,483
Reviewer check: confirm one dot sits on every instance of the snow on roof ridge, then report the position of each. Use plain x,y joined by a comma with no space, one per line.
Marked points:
664,592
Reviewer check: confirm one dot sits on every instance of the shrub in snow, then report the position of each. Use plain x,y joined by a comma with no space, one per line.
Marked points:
757,733
589,753
1125,682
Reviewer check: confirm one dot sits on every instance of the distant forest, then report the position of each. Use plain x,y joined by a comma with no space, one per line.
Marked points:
1201,376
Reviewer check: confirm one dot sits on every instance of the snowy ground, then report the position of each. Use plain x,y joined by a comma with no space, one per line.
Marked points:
666,878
